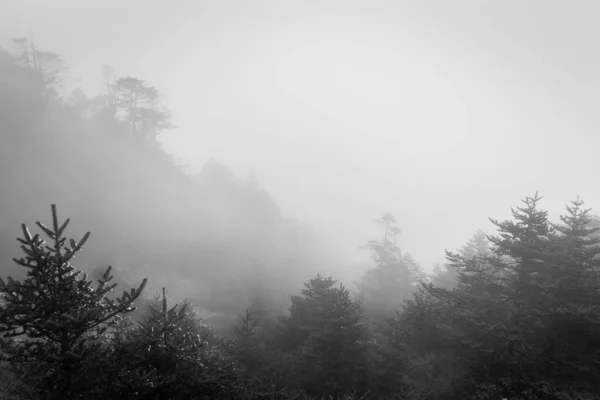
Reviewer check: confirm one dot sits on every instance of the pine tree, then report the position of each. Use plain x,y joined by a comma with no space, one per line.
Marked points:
56,312
386,250
573,299
477,245
493,307
383,288
330,335
528,243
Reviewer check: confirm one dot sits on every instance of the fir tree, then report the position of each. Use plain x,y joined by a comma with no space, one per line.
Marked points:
169,335
529,311
56,310
527,242
484,305
573,299
330,335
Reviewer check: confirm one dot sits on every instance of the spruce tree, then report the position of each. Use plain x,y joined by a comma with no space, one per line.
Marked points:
330,335
528,312
167,336
573,299
56,313
528,243
496,306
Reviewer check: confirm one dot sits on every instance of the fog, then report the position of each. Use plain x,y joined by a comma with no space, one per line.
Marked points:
441,113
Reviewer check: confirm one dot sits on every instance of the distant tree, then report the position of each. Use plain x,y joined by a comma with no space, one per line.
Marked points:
57,312
383,288
385,250
265,310
81,103
477,245
445,276
48,66
137,104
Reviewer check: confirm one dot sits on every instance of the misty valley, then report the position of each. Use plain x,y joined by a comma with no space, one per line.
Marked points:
126,274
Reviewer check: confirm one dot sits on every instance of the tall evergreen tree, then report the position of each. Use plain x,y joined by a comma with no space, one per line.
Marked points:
527,311
528,243
573,299
326,326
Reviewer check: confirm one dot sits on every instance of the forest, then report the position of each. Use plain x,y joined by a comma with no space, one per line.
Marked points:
137,280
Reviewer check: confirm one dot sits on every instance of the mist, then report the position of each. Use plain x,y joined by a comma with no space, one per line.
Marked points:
337,112
345,111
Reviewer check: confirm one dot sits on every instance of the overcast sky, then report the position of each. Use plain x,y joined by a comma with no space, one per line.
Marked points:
443,113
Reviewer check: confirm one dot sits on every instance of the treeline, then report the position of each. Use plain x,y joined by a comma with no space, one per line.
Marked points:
521,321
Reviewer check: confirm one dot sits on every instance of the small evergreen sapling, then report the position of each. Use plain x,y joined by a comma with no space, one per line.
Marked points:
168,350
56,310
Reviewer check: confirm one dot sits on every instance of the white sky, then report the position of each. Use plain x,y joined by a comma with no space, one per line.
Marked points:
443,113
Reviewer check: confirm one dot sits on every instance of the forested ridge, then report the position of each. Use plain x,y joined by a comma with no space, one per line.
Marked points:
194,287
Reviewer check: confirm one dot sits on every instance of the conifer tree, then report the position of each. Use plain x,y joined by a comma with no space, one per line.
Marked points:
528,242
246,326
386,250
573,299
445,276
330,335
383,288
168,334
477,245
166,355
56,311
529,311
248,346
265,310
